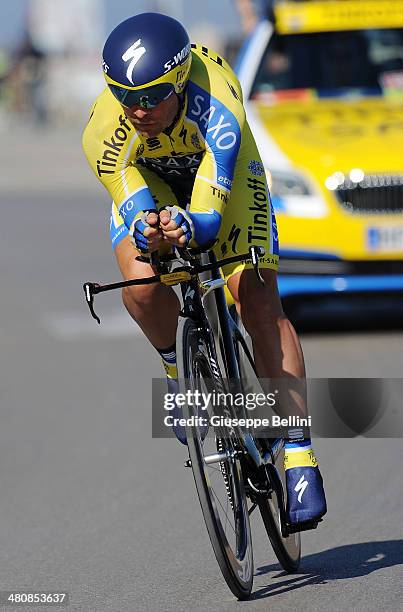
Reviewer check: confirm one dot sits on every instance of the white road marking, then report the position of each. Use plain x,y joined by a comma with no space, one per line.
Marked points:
76,325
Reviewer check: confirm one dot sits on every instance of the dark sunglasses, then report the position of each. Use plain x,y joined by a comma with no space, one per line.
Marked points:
149,97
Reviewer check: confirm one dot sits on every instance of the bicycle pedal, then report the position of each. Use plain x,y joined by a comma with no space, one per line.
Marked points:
187,464
305,526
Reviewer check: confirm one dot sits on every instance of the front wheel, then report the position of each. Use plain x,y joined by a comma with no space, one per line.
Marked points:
219,483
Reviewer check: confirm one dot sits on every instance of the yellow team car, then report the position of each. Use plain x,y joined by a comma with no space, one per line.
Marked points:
323,84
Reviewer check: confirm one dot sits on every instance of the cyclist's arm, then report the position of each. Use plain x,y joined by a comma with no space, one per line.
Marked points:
222,135
109,146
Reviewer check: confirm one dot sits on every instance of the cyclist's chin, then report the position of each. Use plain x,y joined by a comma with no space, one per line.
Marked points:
149,131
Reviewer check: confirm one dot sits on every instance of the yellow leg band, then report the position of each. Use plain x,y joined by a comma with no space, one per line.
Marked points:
170,369
304,458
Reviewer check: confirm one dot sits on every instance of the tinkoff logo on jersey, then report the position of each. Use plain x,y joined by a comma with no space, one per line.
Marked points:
113,147
259,229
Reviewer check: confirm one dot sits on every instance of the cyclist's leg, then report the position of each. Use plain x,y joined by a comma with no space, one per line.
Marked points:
249,219
145,301
154,307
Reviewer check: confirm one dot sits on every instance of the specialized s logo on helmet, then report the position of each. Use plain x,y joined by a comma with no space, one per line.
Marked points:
133,53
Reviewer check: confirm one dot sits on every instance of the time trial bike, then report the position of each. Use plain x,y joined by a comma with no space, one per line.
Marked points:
234,471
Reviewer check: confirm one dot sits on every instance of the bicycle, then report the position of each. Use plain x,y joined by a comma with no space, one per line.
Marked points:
234,472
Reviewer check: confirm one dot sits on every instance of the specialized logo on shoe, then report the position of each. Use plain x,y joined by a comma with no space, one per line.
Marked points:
301,486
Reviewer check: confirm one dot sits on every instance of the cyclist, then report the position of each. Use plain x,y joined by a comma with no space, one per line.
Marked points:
169,140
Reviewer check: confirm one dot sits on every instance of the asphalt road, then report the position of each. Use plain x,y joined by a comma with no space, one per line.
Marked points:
89,502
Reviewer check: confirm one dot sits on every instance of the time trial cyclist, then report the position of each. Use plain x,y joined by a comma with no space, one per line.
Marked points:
169,140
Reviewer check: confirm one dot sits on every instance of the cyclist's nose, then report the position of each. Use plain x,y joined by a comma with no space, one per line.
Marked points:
141,113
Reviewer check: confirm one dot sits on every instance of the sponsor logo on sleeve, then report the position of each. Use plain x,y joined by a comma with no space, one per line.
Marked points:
220,128
219,194
113,147
225,181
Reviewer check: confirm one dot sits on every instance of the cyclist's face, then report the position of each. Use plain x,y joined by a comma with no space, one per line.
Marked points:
151,121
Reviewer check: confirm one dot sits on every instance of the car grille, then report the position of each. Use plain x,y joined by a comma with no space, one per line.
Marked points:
376,194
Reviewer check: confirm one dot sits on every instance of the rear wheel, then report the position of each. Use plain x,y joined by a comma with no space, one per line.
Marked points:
287,549
219,484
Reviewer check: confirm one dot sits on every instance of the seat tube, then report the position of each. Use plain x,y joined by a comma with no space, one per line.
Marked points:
225,327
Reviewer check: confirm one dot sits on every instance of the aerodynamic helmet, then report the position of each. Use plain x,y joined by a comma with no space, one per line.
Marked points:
146,58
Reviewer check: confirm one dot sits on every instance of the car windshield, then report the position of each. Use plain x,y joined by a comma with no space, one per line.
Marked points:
332,62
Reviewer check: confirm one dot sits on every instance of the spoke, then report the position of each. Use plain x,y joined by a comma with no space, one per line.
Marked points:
226,518
222,508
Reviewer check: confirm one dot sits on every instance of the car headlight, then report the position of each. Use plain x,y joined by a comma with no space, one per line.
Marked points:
292,195
283,184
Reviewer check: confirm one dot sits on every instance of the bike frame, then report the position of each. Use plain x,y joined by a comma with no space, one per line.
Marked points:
193,290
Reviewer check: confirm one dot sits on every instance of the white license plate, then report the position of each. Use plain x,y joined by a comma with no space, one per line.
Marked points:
385,239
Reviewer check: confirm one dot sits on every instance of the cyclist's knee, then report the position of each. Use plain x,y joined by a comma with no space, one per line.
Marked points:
140,298
259,306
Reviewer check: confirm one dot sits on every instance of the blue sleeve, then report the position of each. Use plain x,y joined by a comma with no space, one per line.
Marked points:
139,200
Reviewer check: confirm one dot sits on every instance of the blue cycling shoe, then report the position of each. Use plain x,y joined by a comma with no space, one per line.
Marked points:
306,501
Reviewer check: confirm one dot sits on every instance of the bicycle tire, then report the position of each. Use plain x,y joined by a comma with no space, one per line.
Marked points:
287,549
236,565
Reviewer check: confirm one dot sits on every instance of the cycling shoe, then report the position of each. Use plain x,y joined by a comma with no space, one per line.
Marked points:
306,499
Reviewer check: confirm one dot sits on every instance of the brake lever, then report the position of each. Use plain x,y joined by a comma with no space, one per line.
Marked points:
255,253
90,289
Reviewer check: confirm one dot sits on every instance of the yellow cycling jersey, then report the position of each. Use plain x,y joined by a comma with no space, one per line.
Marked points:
197,155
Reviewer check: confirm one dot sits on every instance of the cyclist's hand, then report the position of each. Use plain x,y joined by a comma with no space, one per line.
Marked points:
176,226
153,233
145,232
